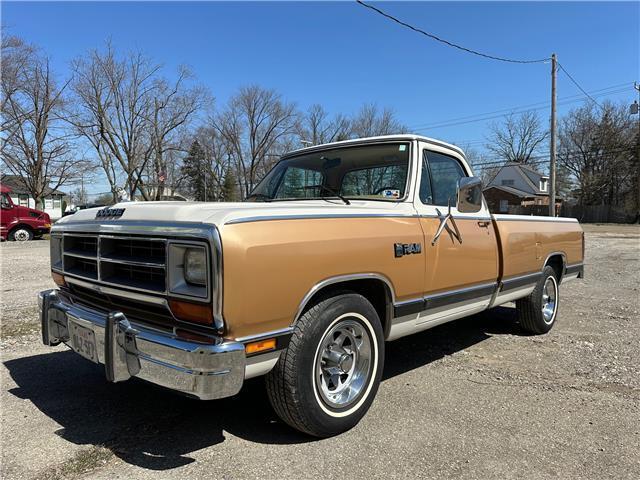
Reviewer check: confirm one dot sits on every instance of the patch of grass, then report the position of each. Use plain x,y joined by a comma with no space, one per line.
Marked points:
82,462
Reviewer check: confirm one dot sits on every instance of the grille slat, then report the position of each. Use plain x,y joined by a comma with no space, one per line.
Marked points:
86,245
127,261
82,267
143,277
145,312
139,250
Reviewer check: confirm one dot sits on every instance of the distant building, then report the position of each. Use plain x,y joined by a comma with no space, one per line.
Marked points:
52,199
168,194
517,185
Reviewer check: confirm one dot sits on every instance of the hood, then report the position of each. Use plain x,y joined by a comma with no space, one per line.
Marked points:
25,211
223,213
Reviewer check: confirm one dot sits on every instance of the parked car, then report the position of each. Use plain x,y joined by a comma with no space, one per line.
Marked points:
340,248
21,223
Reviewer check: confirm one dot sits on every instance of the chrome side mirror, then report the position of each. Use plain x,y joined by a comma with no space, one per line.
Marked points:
469,195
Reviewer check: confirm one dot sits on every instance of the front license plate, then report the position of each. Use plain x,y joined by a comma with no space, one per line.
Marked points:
83,341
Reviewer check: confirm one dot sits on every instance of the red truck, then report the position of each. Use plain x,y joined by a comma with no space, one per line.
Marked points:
21,223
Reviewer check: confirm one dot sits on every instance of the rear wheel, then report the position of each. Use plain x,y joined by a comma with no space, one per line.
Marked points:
21,234
537,312
327,378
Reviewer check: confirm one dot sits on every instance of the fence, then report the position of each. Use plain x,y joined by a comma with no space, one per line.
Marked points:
542,210
599,214
585,214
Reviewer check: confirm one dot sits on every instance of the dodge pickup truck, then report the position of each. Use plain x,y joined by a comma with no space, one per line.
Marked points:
339,249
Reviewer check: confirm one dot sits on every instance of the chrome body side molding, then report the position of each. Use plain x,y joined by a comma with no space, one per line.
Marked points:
321,216
531,218
420,314
316,216
573,271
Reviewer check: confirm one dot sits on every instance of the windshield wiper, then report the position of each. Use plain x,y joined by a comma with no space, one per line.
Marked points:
267,198
329,190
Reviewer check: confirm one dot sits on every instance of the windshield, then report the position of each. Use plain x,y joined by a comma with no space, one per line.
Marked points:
368,172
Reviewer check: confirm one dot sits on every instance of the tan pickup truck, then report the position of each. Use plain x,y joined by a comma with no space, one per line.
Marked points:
339,249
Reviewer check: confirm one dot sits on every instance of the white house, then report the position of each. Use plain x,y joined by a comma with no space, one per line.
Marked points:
516,184
51,204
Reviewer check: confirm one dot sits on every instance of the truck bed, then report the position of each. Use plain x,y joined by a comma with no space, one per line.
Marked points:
525,243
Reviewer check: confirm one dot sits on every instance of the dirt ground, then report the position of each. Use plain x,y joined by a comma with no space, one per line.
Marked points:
476,398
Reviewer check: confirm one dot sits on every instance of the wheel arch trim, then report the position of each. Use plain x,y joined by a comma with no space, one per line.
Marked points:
343,279
563,256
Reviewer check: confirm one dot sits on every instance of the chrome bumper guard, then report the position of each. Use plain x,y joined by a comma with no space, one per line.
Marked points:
130,350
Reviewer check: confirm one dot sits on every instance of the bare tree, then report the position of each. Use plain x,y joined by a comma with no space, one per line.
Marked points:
597,148
16,58
34,143
316,127
115,103
371,121
483,167
517,138
174,107
255,125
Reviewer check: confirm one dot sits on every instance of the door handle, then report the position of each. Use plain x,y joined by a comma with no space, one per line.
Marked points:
484,223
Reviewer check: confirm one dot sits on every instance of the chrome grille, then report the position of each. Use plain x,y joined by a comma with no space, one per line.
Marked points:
132,262
133,309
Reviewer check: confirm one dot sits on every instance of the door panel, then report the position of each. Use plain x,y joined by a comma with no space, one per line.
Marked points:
461,271
453,265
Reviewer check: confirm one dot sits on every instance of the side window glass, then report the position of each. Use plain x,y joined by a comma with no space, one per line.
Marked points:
426,196
445,173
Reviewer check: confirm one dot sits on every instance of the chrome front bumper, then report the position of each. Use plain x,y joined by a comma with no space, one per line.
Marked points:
131,350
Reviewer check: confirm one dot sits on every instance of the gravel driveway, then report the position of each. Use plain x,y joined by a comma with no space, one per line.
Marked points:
475,398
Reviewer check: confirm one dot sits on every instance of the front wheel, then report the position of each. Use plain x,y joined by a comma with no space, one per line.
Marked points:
537,312
21,234
327,378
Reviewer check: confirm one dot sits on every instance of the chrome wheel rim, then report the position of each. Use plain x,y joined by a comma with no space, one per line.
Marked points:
21,235
343,363
549,299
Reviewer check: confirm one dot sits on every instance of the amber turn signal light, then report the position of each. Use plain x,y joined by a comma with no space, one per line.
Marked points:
192,312
58,279
261,346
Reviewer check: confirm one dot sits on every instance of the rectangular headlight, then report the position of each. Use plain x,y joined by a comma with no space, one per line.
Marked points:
188,269
195,266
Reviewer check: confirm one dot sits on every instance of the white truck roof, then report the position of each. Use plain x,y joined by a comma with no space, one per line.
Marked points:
356,141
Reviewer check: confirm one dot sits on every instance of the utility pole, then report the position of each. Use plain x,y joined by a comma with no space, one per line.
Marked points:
552,153
635,110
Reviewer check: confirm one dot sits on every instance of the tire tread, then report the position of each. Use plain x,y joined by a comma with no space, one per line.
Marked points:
529,311
281,380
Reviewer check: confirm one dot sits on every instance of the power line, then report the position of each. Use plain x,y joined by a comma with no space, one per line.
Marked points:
446,42
544,104
538,159
521,109
578,85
